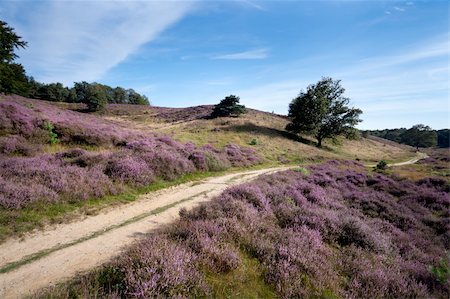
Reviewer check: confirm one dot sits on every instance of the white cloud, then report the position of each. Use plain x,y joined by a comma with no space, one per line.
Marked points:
399,9
82,40
252,54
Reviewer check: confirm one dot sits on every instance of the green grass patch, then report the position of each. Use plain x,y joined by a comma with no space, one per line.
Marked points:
247,281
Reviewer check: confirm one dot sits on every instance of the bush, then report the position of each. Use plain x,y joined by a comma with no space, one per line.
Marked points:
229,106
381,165
52,136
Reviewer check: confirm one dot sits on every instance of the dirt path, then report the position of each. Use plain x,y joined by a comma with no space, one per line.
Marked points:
54,255
418,157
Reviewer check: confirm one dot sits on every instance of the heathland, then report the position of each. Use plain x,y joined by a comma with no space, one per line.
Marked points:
331,228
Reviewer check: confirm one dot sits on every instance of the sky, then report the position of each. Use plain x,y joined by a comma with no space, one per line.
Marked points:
392,57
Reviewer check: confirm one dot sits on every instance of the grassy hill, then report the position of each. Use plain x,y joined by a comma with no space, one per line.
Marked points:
57,160
262,131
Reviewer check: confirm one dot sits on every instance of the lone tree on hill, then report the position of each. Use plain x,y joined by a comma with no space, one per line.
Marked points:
228,107
322,111
419,136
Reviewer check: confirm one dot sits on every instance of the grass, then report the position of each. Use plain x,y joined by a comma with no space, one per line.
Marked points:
265,133
244,282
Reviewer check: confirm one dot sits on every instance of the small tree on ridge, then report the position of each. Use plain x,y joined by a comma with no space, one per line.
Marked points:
228,107
322,111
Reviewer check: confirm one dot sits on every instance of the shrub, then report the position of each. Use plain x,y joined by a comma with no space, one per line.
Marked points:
381,165
52,136
158,267
129,170
253,142
229,106
442,270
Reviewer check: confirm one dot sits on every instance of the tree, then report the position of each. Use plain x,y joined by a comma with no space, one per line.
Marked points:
419,136
13,78
96,98
322,111
443,138
120,95
136,99
9,41
228,107
54,92
81,91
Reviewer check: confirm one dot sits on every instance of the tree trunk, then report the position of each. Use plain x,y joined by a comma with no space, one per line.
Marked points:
319,141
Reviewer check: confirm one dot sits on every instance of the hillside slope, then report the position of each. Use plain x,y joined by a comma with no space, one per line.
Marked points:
56,160
262,131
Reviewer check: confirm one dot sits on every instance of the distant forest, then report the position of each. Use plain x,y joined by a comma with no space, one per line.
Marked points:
418,136
57,92
14,80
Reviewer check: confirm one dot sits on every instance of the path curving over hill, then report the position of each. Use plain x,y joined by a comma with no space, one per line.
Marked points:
57,254
414,160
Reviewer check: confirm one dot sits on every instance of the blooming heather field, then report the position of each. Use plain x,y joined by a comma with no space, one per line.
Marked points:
331,231
48,154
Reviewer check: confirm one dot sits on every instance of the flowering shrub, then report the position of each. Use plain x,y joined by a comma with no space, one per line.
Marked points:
127,158
335,232
158,267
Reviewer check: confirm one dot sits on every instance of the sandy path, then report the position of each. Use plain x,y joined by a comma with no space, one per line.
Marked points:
82,245
418,157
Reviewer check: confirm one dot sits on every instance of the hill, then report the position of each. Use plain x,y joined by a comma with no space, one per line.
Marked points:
57,160
262,131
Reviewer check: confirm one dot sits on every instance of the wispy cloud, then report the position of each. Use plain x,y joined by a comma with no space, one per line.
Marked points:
253,4
82,40
399,9
408,84
434,49
252,54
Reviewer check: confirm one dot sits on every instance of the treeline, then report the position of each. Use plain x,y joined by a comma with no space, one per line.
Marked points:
417,136
14,80
57,92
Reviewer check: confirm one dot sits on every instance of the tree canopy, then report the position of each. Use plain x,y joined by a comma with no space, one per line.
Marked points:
9,41
12,75
322,111
229,106
419,136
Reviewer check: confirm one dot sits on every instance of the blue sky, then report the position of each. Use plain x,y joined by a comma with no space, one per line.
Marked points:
392,56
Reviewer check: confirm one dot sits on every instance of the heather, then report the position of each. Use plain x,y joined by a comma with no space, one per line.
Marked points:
334,231
93,157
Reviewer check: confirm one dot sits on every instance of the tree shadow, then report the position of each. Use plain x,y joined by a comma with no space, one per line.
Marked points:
270,132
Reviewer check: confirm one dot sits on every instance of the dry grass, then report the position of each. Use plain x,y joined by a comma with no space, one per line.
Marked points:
260,130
